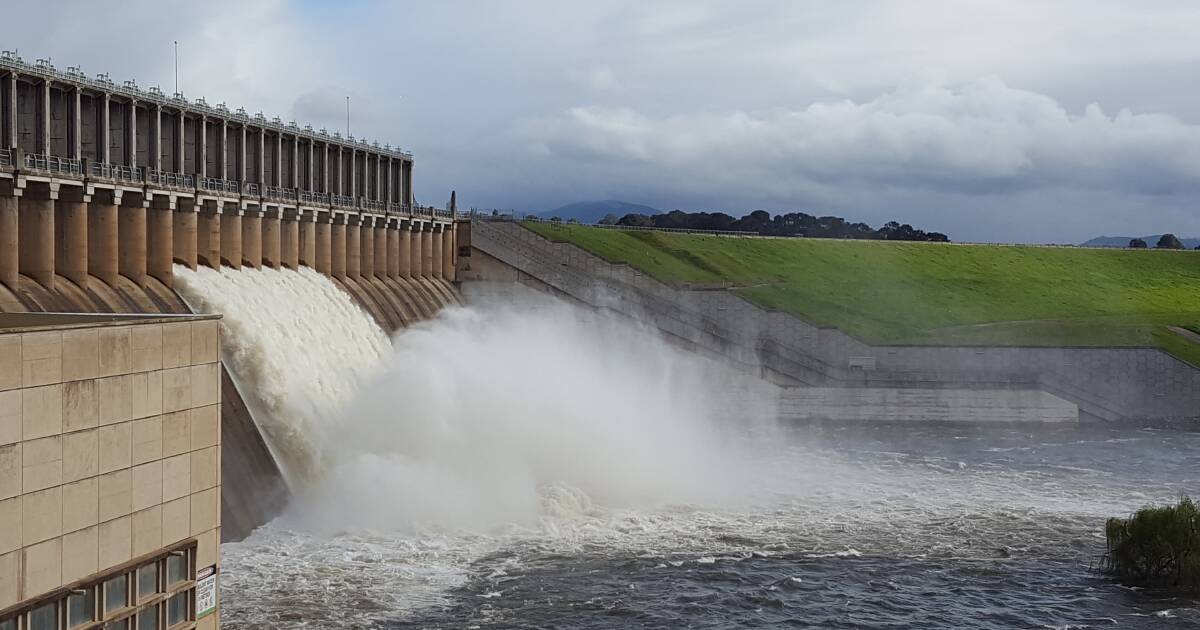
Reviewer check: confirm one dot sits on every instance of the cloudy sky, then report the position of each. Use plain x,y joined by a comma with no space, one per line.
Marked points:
1032,121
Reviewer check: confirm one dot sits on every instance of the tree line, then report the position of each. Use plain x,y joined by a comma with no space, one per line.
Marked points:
1166,241
790,224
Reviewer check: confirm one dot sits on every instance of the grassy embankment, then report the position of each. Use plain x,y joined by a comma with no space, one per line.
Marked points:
921,293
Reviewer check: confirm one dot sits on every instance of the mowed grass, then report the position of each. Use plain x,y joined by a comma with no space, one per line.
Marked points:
904,293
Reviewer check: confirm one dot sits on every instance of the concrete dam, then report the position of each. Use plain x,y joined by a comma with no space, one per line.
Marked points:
189,296
111,194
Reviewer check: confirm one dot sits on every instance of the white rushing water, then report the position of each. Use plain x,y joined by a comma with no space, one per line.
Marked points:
298,346
477,422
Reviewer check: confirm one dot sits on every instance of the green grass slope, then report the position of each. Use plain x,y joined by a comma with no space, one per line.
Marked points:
922,293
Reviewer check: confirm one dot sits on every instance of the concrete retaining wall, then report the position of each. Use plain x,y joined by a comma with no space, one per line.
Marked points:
1127,384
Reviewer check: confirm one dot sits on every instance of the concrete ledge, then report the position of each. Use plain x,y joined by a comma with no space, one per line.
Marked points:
871,404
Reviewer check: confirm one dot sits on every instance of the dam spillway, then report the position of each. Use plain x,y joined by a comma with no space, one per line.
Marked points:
108,191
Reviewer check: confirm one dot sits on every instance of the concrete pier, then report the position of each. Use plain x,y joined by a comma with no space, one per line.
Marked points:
252,238
307,226
448,232
353,247
131,239
427,251
337,248
324,244
393,249
10,262
102,237
271,237
366,249
160,244
381,248
405,252
70,236
231,237
208,235
35,228
185,237
289,240
437,251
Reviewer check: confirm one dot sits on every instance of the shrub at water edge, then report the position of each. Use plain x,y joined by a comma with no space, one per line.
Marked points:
1157,546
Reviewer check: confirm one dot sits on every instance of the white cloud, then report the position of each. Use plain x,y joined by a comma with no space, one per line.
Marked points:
982,136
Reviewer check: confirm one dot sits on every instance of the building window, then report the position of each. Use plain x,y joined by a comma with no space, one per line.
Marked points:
117,625
81,607
177,608
44,617
177,568
147,581
10,624
116,593
147,618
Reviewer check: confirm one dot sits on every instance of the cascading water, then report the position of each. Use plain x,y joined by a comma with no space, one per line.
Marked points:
299,346
545,466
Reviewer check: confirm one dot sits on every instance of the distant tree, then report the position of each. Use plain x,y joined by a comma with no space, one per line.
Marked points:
556,219
636,220
609,219
1137,243
1168,241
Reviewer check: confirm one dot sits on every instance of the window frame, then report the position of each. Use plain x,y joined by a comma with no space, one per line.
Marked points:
96,585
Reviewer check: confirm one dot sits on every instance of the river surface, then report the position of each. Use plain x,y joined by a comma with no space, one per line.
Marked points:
837,527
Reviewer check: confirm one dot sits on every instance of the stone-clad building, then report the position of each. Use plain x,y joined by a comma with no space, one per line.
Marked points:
109,471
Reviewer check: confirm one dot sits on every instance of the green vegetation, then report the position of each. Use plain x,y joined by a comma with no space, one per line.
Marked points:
1157,546
901,292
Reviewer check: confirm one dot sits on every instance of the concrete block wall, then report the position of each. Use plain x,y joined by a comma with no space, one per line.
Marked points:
1133,384
109,446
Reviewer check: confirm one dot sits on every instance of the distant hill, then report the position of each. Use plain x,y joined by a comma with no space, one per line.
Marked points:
1123,241
593,211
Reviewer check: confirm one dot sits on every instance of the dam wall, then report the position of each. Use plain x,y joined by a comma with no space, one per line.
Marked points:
1132,384
107,189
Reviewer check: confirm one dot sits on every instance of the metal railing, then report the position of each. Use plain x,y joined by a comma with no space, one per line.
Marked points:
314,198
369,204
342,200
6,157
53,164
277,192
117,172
170,180
220,185
250,189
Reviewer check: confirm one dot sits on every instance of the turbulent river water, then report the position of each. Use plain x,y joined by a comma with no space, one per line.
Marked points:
539,467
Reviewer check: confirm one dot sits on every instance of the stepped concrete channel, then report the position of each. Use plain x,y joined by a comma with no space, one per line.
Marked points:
835,376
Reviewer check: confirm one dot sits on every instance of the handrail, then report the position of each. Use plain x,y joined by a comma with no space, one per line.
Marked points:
278,192
170,180
342,200
250,189
220,185
6,157
314,198
119,172
53,164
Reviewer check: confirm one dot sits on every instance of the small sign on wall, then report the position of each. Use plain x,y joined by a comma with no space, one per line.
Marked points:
206,591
